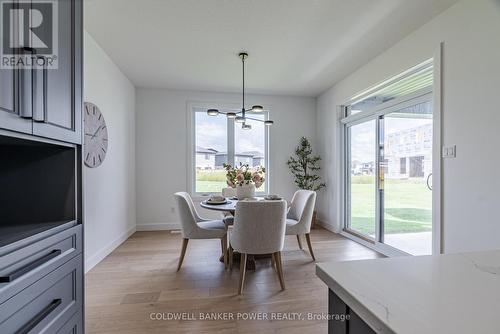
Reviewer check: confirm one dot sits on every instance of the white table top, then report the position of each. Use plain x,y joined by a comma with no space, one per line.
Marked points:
454,293
230,206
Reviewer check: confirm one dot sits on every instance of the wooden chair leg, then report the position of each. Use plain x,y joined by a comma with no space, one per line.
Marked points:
230,257
279,267
273,261
183,252
299,241
224,249
243,267
308,239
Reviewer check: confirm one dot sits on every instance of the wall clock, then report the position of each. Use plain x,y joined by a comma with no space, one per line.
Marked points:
96,136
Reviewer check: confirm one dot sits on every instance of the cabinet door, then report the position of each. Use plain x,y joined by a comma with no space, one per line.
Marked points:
10,115
57,93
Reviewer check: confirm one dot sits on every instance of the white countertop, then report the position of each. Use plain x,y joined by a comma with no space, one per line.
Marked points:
453,293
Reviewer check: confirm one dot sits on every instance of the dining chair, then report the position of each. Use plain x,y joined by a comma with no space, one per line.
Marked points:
299,217
227,216
195,227
228,192
259,229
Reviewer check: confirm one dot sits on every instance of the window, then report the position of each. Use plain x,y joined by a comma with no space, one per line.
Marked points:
402,165
219,140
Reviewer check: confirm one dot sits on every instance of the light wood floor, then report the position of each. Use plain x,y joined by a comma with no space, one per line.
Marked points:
140,278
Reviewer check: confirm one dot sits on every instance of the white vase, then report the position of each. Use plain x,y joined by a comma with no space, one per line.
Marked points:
245,191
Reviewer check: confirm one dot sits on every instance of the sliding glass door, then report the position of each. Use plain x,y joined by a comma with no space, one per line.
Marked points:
389,176
361,195
406,172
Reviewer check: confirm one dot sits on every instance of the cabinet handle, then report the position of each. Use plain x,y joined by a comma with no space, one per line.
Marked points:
25,89
29,267
27,327
39,93
25,100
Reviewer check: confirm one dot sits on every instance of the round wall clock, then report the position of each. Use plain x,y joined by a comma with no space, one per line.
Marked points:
96,136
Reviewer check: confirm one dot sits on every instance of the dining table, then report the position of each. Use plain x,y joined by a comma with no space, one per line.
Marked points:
230,207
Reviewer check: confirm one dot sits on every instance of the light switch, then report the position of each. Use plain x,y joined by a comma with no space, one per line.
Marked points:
449,152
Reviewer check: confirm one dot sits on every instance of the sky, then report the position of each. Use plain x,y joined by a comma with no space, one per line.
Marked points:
211,132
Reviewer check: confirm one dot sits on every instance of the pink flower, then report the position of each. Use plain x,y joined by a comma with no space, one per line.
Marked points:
256,177
240,177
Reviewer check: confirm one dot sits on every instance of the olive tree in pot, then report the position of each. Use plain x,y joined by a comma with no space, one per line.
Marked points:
304,168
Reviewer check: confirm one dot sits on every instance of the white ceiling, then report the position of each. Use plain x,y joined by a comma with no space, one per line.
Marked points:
296,47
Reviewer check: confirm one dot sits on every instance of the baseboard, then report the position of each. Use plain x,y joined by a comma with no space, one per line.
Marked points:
326,226
93,260
158,227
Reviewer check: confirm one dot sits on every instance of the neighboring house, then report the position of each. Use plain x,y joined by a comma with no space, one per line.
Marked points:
252,158
409,152
205,158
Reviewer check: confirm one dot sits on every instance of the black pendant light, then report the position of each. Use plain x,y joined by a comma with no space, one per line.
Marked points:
241,117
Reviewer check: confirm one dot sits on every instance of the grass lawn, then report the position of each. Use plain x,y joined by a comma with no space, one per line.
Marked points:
408,203
408,206
210,181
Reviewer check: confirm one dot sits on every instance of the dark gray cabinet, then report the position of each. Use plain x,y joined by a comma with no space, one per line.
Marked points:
57,93
11,117
45,101
339,311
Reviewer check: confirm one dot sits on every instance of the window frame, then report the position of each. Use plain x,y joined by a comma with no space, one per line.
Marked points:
231,142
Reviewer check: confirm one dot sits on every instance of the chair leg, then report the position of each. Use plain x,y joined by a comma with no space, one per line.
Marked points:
273,262
279,267
300,242
308,239
230,257
243,267
183,252
223,242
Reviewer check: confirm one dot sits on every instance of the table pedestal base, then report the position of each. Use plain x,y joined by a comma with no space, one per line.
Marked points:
250,259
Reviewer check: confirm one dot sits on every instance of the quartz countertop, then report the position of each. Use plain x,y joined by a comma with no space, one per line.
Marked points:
452,293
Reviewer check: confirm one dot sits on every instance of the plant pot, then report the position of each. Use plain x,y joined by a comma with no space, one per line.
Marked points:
245,191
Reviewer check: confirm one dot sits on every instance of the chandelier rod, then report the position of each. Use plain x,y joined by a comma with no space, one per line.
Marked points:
243,66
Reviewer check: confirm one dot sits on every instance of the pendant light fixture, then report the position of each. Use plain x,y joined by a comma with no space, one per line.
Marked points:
241,116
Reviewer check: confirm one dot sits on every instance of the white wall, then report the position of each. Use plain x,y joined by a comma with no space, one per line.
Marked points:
162,150
471,119
109,190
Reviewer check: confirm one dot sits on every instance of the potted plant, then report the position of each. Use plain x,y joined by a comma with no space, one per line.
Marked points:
304,168
244,179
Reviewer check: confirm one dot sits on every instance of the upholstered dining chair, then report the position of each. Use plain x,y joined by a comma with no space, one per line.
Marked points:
259,228
227,216
195,227
299,217
228,192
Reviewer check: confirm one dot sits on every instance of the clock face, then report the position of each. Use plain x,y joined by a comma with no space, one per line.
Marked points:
96,136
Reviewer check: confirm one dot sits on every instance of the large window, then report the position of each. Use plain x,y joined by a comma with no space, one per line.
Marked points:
219,140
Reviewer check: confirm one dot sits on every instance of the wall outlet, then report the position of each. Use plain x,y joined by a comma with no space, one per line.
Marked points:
449,152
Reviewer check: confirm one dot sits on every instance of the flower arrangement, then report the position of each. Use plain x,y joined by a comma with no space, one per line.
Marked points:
244,175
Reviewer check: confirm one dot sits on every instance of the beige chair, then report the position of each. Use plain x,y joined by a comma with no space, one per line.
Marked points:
259,228
227,216
195,227
300,215
228,192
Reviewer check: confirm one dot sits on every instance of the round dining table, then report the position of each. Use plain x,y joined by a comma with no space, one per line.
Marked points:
230,206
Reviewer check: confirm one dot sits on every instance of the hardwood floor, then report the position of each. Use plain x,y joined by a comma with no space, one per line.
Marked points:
139,280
